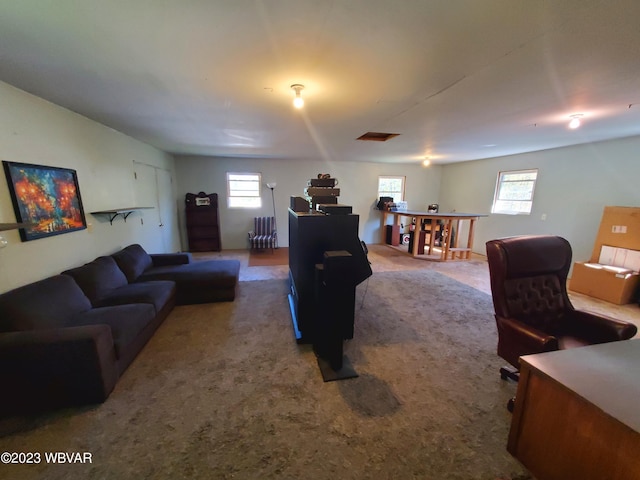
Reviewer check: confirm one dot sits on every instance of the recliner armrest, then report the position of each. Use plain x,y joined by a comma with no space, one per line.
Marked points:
50,368
164,259
516,338
599,328
538,340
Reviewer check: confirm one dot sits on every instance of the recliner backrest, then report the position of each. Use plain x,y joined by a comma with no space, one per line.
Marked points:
537,301
528,278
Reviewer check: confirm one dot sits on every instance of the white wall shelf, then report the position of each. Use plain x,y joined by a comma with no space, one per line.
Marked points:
14,226
124,212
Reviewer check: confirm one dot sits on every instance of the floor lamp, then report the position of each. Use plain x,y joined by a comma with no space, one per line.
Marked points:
272,185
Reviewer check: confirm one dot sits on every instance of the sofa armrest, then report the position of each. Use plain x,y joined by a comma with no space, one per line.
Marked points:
599,328
51,368
164,259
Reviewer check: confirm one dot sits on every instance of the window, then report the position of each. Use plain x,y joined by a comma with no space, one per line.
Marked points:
391,187
514,192
243,190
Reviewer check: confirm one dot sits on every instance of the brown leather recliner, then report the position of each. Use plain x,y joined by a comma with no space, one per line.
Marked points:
532,309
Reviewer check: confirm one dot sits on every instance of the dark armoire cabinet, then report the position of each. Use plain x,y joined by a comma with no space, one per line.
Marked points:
203,227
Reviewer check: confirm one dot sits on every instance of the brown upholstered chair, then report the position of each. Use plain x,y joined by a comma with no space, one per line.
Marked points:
532,309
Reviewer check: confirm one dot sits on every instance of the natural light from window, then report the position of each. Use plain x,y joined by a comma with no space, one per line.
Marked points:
243,190
514,192
389,186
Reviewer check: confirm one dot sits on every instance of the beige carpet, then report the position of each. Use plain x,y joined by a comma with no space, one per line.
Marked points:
222,391
267,258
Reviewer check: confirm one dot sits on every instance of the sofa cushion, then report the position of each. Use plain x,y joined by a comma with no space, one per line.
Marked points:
157,293
133,260
199,282
98,278
126,322
204,274
47,303
162,259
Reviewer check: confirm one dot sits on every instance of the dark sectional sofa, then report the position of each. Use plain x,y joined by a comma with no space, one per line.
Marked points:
196,282
65,340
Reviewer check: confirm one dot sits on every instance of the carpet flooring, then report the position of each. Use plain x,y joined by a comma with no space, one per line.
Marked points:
222,391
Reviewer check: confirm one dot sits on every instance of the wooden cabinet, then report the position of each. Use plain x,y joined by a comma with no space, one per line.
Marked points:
203,227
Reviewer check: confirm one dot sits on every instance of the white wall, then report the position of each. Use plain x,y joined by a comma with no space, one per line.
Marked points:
574,185
358,183
35,131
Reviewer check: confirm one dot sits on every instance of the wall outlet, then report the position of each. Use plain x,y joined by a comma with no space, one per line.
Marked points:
543,216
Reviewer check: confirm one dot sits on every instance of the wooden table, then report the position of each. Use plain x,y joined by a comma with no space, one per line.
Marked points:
445,222
577,413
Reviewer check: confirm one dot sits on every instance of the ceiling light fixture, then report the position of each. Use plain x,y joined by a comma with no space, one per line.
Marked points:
298,101
575,120
426,162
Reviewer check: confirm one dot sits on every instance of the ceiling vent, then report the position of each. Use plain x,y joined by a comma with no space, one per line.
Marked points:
377,136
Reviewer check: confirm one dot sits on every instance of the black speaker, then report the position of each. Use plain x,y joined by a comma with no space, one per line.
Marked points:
339,269
335,293
322,182
392,235
334,209
299,204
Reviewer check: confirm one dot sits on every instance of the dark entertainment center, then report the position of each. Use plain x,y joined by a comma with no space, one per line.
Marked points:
327,261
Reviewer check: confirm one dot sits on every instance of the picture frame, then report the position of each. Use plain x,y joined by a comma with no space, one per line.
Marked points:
47,198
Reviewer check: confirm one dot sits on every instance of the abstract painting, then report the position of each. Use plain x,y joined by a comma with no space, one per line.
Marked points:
46,197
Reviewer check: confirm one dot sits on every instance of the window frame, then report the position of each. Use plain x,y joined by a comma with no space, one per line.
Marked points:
230,190
385,193
499,183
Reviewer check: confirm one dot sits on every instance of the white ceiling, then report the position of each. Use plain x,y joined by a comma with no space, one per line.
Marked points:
457,79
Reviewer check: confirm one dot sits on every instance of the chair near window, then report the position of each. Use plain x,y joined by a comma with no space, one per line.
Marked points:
264,234
532,308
